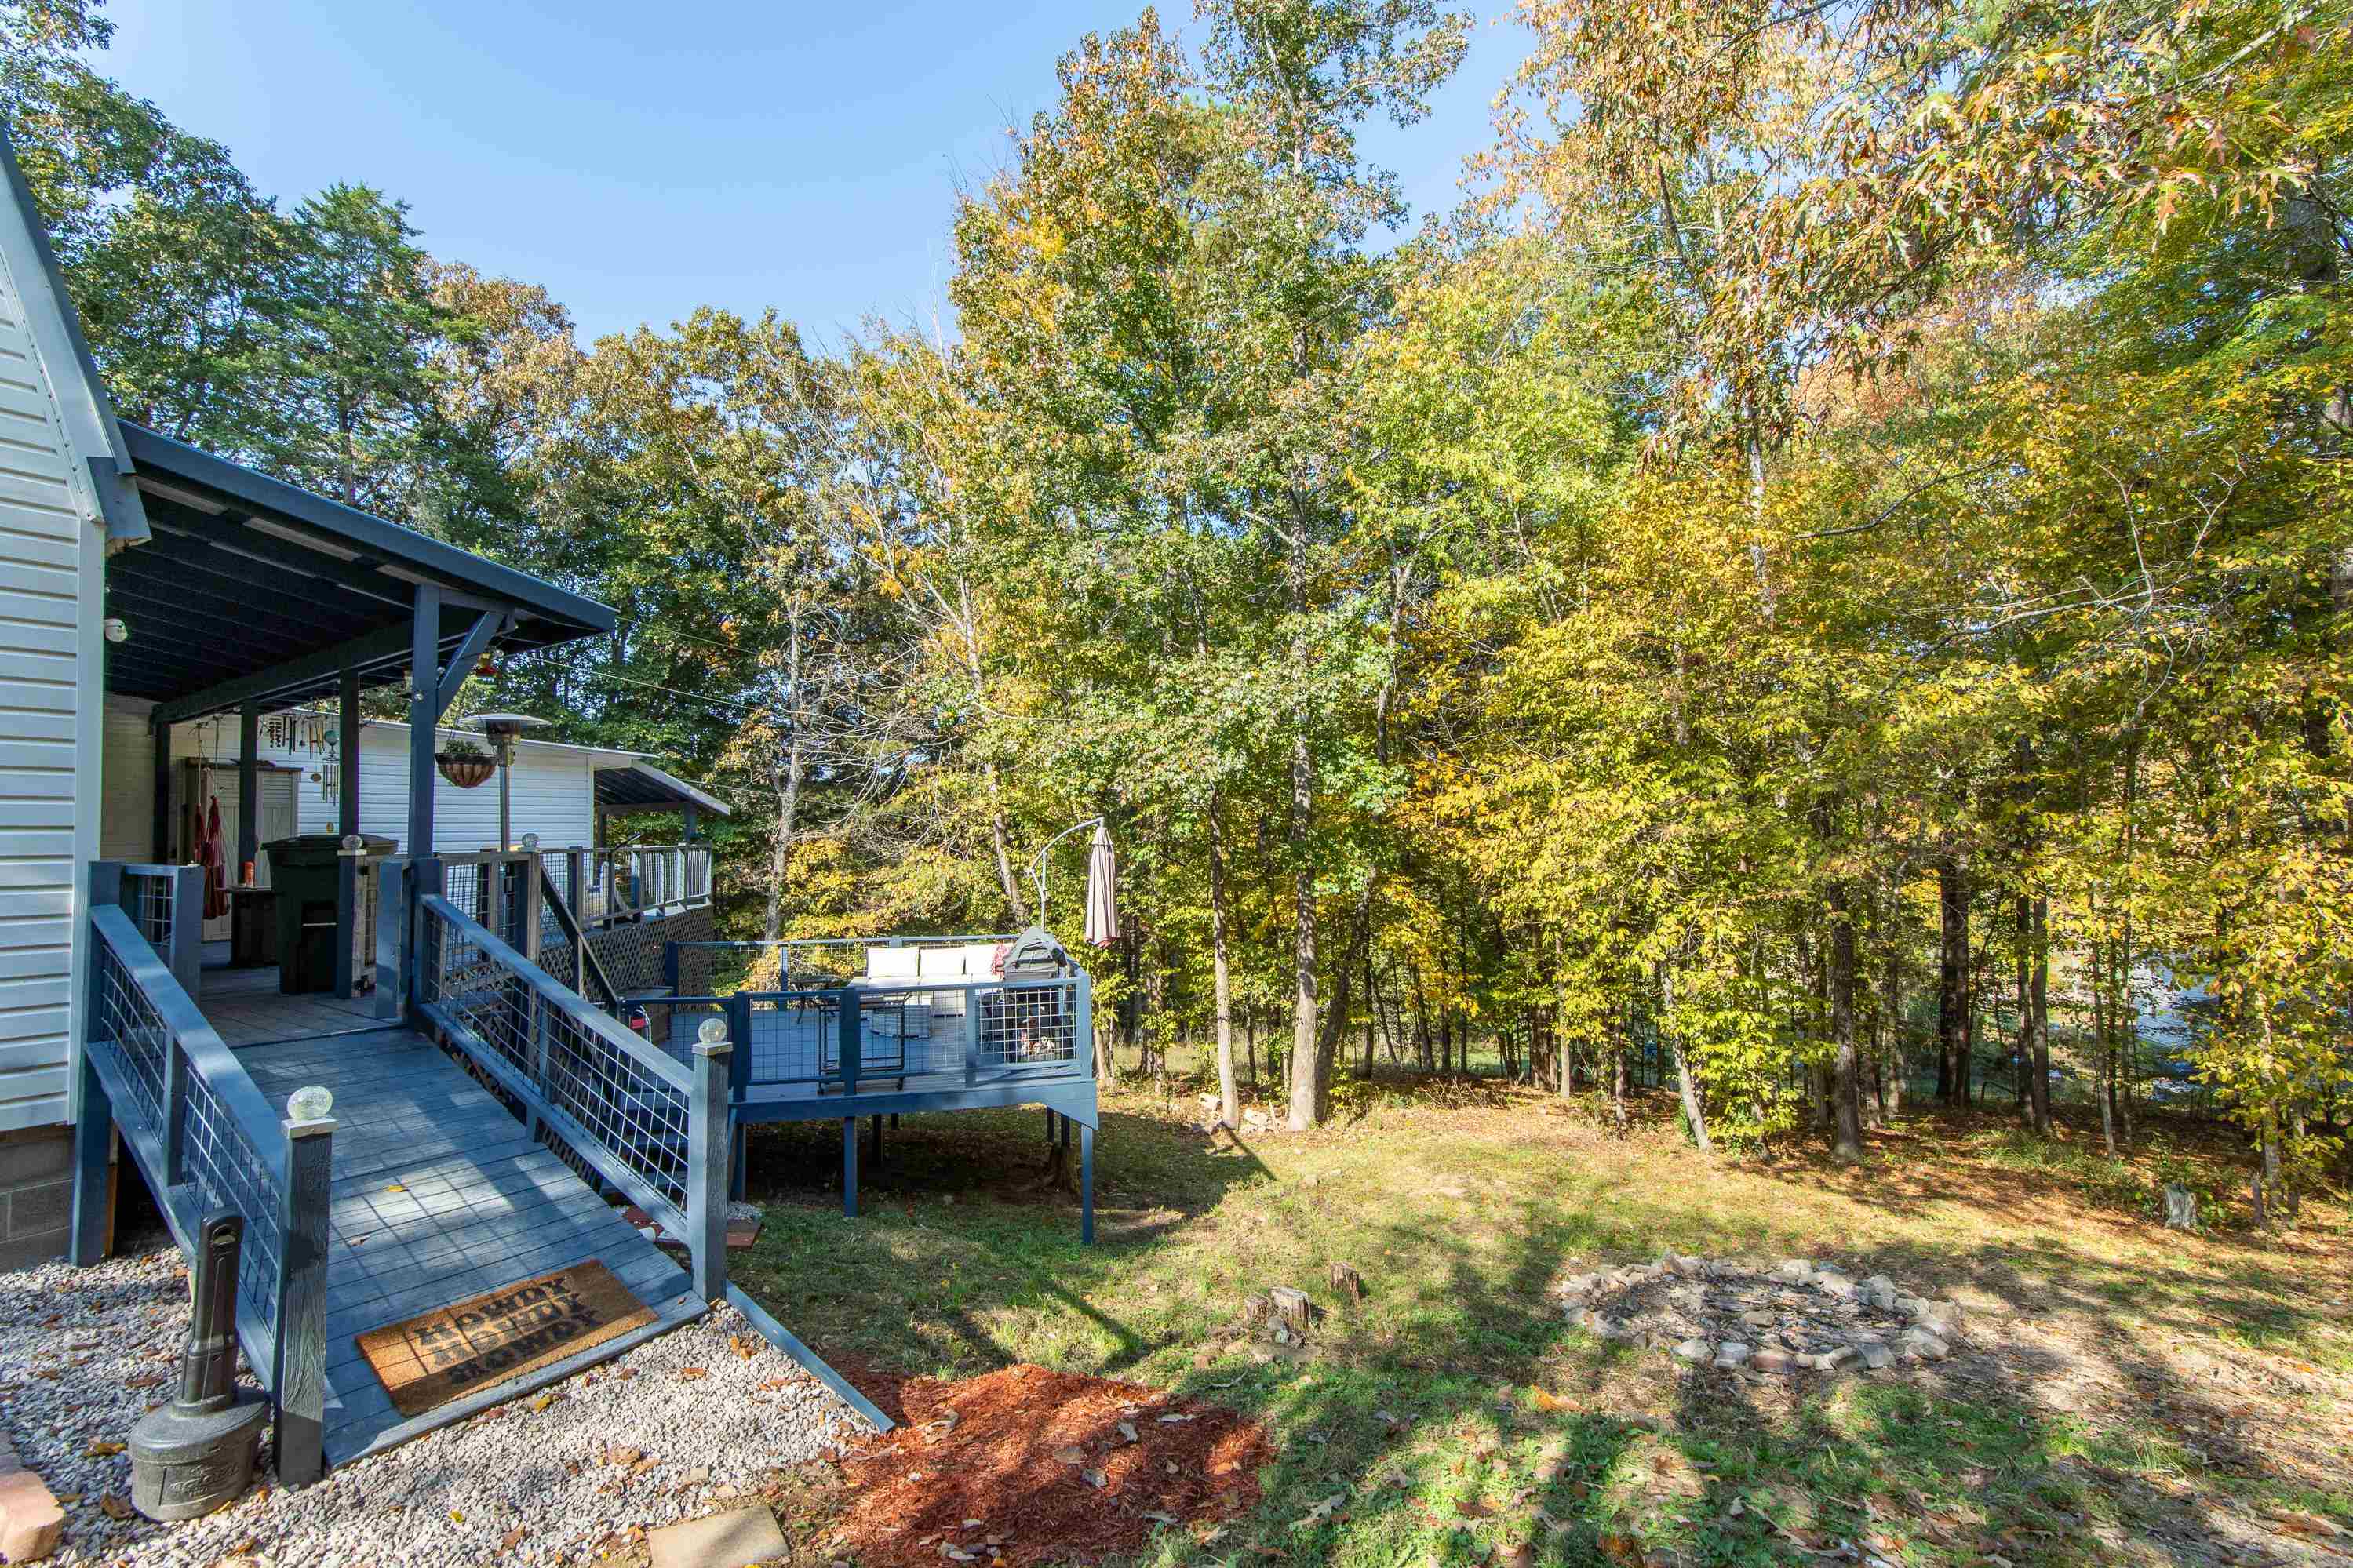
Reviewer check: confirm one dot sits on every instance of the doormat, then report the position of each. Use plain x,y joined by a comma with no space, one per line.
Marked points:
447,1353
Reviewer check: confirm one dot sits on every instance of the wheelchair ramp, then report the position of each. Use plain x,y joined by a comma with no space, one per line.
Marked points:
439,1194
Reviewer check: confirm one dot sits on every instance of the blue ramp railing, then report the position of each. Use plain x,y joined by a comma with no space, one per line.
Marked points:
207,1141
654,1128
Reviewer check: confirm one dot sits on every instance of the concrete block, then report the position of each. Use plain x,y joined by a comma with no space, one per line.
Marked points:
34,1211
35,1154
32,1249
736,1539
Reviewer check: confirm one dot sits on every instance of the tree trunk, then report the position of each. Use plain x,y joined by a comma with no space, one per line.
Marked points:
1229,1104
2040,995
1893,1054
1953,980
1686,1084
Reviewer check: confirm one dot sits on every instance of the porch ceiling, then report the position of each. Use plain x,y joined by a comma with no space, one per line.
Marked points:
641,786
254,590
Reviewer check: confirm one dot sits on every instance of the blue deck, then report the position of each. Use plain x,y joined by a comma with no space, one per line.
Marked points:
480,1205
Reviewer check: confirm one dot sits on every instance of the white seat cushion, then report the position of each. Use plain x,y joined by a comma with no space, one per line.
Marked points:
893,962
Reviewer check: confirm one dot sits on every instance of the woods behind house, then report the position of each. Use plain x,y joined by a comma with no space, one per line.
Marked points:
1827,578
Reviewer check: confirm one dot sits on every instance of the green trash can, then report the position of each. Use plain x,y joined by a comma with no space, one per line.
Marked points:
303,870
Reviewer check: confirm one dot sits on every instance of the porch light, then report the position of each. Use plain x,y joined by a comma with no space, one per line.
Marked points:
711,1031
310,1103
531,843
116,632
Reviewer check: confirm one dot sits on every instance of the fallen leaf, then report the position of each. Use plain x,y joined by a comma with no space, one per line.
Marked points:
1128,1430
542,1401
113,1507
1172,1420
1621,1548
395,1187
690,1374
1070,1455
1544,1399
1471,1507
513,1538
457,1517
625,1372
777,1383
1320,1512
1159,1518
102,1450
1096,1479
742,1346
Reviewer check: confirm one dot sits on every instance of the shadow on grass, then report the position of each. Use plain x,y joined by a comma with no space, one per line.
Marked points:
1454,1417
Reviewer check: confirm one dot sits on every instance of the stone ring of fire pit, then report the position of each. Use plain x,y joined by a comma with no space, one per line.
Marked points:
1796,1316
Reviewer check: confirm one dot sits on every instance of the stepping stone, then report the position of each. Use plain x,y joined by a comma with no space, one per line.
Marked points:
1694,1351
736,1539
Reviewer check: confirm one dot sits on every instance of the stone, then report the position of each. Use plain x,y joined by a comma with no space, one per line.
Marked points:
1759,1319
1837,1286
1771,1360
1910,1306
1580,1316
1732,1353
1794,1272
1876,1355
31,1522
1694,1351
1581,1285
1880,1291
734,1539
1924,1345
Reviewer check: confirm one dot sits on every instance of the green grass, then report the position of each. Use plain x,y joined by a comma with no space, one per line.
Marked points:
1458,1416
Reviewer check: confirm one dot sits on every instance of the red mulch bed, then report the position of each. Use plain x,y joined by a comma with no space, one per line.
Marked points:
1016,1456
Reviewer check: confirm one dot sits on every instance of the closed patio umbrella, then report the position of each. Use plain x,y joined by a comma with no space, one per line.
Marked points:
1102,889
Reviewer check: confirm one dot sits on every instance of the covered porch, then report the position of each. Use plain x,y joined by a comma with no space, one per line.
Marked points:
254,597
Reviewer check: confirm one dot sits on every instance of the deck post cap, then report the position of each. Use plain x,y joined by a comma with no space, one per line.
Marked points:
316,1127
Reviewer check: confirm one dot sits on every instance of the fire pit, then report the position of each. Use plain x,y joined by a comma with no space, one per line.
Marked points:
1796,1316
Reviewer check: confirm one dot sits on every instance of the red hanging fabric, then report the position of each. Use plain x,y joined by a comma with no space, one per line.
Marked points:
212,853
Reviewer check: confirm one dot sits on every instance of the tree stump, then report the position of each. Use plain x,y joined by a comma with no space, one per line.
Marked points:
1291,1308
1256,1311
1347,1285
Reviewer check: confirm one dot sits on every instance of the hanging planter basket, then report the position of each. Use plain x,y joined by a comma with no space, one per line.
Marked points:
466,770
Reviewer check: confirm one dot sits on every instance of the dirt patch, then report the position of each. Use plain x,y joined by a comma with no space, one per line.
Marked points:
1027,1465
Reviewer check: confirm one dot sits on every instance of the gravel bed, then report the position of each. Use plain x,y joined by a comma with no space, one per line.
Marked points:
629,1443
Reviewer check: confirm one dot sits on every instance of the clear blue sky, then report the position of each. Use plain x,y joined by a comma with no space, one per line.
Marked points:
641,160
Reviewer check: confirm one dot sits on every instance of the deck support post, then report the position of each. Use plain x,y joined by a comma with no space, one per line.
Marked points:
1086,1185
739,1148
347,823
853,1040
93,1148
707,1163
877,1156
849,1167
391,930
299,1385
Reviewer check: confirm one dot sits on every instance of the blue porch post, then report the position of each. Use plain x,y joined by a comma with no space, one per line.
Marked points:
160,734
424,715
347,822
248,789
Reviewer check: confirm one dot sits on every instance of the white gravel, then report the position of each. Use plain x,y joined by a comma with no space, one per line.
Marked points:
72,1341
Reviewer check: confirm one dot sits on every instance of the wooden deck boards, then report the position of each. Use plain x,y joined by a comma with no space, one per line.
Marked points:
439,1195
248,1009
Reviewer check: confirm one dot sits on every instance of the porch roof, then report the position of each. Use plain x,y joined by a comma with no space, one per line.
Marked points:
641,786
255,590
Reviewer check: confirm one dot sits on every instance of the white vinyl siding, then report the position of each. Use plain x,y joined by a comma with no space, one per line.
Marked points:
43,535
554,787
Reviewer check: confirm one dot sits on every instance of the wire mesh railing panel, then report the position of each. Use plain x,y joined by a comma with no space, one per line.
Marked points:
639,1117
1028,1023
128,1022
148,900
795,1039
217,1158
228,1173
